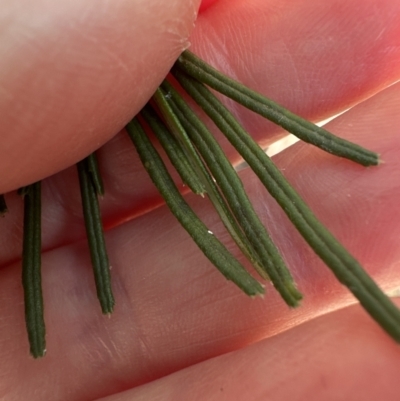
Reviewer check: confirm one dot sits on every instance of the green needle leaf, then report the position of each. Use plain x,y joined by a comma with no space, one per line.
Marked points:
174,150
94,232
31,270
93,168
206,241
233,191
303,129
212,190
347,269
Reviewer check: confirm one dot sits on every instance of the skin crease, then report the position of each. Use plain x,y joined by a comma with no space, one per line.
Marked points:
176,316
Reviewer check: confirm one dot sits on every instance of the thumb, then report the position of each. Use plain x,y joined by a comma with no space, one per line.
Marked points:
73,73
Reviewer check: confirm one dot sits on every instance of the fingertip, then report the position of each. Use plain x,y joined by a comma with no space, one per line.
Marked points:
73,74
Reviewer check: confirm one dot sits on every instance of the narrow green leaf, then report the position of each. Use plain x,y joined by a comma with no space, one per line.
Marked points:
206,241
233,191
95,236
31,270
93,168
202,172
345,267
174,150
303,129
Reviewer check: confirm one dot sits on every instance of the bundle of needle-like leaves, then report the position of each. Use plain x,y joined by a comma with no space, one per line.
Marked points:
204,168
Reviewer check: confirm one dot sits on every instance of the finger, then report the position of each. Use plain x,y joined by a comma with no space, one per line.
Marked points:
341,355
173,308
315,58
365,66
73,74
370,51
206,4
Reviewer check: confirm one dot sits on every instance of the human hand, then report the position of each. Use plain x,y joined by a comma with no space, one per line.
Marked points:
175,315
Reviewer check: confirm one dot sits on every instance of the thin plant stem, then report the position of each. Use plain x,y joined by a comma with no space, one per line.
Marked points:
345,267
233,191
31,270
303,129
95,235
206,241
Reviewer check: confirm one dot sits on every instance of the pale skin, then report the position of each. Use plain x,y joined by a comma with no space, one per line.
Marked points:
71,78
